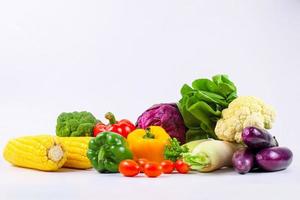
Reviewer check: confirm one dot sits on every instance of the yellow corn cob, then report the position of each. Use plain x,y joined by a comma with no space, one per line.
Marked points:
42,152
76,148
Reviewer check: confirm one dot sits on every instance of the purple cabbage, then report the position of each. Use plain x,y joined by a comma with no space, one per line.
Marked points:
167,116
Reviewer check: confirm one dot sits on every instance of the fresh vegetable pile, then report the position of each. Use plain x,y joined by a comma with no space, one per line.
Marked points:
210,128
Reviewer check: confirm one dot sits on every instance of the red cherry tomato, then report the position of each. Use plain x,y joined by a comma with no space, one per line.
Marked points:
167,166
129,168
152,169
182,167
142,162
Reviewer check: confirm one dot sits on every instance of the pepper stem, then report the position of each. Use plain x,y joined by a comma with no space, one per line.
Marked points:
111,118
101,153
275,142
148,134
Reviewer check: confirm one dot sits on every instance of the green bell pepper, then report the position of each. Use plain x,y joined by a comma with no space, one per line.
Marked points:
107,150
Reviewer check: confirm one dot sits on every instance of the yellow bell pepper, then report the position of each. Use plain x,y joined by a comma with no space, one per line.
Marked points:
149,144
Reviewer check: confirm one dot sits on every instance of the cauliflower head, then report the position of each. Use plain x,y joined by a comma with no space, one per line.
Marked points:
243,112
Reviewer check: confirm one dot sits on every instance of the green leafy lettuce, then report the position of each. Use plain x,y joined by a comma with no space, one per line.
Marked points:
202,103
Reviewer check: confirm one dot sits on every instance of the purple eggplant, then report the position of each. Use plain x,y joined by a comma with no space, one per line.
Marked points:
274,158
243,160
256,138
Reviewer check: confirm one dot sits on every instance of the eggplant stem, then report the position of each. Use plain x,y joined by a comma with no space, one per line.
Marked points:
275,141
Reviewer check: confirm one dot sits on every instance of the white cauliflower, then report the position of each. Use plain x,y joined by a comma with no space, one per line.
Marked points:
243,112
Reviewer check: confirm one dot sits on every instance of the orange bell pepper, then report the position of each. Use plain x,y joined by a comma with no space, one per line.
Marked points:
149,144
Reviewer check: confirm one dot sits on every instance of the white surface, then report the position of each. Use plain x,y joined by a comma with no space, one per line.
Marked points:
224,184
124,56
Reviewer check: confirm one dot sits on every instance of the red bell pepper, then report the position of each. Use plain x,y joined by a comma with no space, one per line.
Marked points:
122,127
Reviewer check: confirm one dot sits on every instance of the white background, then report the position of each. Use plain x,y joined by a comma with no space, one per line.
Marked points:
124,56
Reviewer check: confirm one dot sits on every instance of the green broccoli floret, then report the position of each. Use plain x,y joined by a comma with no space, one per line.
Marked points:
75,124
